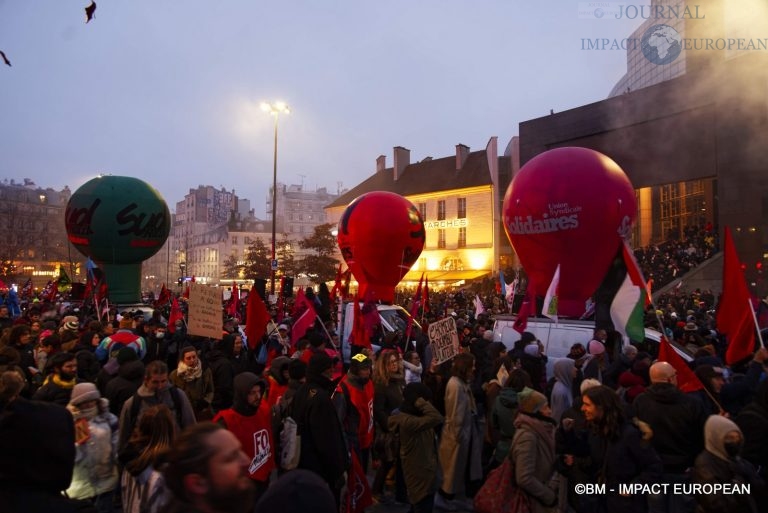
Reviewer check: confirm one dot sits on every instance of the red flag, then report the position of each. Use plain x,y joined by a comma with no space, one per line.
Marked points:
234,299
101,291
687,381
305,319
163,298
185,295
425,295
358,336
415,303
176,314
336,285
526,309
256,318
734,318
50,291
358,496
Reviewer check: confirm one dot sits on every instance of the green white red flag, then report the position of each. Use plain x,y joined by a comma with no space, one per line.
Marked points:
628,306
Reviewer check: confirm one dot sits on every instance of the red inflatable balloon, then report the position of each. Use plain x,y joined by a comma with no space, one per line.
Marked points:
381,235
572,207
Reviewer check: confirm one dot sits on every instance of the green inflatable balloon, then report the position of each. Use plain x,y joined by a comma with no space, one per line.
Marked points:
118,221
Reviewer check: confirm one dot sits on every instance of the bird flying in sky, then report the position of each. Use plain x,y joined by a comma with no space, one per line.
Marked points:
89,11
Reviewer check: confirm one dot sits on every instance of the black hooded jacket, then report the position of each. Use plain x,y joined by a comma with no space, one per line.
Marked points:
677,421
323,448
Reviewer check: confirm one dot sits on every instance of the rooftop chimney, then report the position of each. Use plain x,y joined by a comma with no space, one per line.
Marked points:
402,160
462,152
381,163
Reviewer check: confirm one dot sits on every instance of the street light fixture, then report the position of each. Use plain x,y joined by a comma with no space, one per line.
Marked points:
274,109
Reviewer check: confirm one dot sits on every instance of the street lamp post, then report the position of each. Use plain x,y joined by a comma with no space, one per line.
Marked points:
275,109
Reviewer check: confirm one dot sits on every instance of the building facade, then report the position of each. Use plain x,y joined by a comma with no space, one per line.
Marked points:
459,198
35,241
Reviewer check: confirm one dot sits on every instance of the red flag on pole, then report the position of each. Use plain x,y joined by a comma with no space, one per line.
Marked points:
686,379
734,317
305,319
425,295
358,496
163,298
256,318
415,303
527,308
336,285
234,299
176,314
359,336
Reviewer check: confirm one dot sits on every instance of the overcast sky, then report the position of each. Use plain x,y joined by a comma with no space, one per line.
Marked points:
168,90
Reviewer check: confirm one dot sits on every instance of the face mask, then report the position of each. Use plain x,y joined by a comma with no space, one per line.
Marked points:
67,376
160,334
732,449
90,413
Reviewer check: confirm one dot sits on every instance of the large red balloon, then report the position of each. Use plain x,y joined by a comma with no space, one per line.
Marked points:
381,235
572,207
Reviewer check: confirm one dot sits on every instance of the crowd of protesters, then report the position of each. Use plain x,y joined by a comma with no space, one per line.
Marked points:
131,413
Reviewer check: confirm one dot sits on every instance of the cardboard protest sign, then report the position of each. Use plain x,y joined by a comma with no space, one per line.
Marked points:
204,311
444,340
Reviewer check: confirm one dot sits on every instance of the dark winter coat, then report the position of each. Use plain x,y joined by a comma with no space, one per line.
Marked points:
753,421
323,449
124,385
386,399
223,374
715,465
677,422
53,392
30,433
625,460
418,450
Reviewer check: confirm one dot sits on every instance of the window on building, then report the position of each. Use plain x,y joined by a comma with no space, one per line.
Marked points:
462,237
234,239
461,208
423,210
441,238
441,210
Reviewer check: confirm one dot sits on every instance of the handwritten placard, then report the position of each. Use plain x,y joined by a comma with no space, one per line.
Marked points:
204,311
444,340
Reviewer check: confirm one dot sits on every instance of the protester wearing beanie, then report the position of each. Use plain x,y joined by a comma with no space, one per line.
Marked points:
533,450
323,448
95,474
721,462
416,423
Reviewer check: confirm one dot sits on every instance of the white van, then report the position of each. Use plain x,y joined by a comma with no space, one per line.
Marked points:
558,337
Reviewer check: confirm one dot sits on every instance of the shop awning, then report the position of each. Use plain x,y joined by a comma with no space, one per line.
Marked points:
438,276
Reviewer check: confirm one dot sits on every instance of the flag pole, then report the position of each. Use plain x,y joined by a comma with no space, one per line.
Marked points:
757,326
